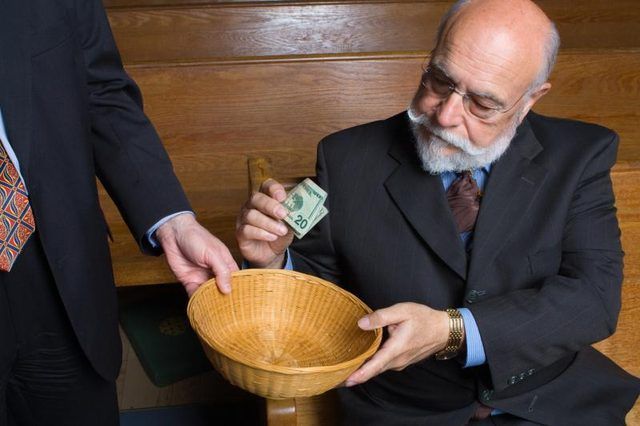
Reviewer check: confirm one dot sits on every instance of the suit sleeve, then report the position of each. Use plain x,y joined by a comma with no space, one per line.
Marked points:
315,253
527,330
129,157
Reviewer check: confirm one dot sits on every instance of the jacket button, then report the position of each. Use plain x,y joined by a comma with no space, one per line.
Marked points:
474,295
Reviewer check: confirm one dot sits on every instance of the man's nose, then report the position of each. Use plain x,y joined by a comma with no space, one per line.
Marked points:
450,111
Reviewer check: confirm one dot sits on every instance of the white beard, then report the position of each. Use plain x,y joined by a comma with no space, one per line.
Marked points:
469,157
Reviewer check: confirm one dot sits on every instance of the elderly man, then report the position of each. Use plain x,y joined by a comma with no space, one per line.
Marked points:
483,234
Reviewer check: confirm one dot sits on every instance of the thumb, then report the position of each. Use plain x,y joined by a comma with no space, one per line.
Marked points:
383,317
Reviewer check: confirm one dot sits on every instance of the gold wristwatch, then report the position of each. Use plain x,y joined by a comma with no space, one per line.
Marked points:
456,336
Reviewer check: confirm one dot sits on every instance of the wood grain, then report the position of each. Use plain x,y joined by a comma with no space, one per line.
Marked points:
622,347
213,116
272,29
626,181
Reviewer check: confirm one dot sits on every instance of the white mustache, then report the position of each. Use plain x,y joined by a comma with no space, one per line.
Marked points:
448,137
432,141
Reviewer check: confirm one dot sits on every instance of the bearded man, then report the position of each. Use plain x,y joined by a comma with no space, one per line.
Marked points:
483,234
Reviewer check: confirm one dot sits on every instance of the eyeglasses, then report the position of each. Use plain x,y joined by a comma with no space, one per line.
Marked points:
440,85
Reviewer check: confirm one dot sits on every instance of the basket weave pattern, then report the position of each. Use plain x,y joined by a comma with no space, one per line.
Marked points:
282,334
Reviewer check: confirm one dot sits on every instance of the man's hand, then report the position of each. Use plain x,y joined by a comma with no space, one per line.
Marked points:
194,255
262,235
415,333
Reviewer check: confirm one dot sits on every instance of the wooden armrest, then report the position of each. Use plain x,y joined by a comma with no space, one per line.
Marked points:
260,170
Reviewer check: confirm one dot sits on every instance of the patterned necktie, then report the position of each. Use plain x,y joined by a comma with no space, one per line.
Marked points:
464,199
16,218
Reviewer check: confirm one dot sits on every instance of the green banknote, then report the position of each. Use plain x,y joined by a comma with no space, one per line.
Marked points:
305,204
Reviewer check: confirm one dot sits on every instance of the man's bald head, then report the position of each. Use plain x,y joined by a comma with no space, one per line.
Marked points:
490,66
508,27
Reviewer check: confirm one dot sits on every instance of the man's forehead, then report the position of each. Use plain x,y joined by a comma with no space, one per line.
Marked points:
485,65
487,86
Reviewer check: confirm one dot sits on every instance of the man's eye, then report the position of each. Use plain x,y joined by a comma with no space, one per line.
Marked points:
440,84
483,105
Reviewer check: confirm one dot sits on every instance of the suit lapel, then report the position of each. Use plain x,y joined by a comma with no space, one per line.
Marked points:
15,78
512,186
421,199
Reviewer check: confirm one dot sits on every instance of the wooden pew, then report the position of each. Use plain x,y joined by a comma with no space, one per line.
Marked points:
211,116
211,30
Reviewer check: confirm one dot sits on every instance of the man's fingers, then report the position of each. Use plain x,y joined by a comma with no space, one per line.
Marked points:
376,365
266,205
262,221
223,278
220,262
384,317
273,189
228,260
252,233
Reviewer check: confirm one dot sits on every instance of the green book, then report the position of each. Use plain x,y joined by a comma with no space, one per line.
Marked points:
154,318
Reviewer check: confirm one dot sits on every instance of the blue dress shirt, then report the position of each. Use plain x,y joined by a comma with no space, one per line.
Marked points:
7,147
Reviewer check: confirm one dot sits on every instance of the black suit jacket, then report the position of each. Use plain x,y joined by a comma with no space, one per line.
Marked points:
72,113
543,279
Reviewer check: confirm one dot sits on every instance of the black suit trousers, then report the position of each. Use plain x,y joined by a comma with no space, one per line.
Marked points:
45,378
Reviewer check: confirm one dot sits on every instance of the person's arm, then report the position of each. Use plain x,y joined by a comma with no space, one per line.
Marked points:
129,158
132,164
150,235
526,330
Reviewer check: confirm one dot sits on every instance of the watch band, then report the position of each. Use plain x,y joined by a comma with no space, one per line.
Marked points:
456,336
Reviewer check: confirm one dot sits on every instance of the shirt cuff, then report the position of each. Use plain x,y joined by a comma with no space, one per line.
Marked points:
475,348
150,235
288,264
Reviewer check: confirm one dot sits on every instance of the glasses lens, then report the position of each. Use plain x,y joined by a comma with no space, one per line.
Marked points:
480,107
437,83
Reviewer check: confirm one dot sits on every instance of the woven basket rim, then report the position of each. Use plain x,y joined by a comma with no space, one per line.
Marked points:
310,279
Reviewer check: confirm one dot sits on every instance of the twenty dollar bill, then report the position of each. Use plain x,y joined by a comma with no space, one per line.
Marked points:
305,204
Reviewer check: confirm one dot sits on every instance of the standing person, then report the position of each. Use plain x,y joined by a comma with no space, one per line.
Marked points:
483,235
70,113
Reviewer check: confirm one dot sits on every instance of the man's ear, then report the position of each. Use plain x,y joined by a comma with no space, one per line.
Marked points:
534,97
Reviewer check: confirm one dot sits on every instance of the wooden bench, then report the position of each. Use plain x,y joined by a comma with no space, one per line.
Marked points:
212,116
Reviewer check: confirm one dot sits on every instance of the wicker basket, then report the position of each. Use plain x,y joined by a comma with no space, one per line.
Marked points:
282,334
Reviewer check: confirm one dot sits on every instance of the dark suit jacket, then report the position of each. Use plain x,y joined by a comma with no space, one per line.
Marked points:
72,113
543,279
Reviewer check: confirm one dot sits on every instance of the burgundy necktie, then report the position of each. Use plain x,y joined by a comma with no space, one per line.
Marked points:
16,218
464,199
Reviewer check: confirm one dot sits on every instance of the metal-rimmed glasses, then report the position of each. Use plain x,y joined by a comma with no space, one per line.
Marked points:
440,85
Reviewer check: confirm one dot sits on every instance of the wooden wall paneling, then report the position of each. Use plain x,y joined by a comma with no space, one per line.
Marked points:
626,181
282,109
271,30
281,28
595,23
622,347
600,87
